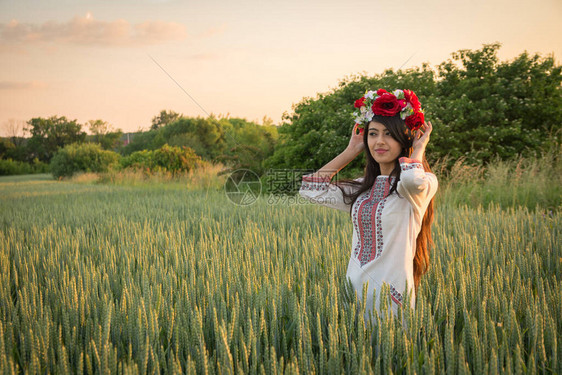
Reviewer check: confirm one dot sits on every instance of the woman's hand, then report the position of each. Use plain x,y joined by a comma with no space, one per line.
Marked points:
356,141
421,138
354,148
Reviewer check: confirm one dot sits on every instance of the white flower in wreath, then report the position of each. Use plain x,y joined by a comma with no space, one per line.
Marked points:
407,111
399,94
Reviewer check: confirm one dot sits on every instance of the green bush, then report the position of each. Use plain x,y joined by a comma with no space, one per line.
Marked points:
82,157
166,158
12,167
480,109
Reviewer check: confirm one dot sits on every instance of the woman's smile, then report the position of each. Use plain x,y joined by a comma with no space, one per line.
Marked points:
384,149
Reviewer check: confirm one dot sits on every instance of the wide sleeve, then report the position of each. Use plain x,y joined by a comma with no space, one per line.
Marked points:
319,190
416,185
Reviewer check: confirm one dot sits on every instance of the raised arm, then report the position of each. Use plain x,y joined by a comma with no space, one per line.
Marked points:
316,187
354,148
417,185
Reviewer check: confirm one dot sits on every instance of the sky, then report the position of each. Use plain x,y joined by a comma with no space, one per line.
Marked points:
125,61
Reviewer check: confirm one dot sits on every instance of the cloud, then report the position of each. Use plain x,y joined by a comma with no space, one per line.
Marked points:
213,31
14,85
89,31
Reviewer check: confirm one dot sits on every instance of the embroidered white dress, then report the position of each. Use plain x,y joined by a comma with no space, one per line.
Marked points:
385,228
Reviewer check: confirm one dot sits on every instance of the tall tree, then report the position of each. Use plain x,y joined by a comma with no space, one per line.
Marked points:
487,108
104,134
6,148
15,131
164,118
48,135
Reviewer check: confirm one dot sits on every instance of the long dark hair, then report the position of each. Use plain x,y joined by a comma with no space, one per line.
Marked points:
398,130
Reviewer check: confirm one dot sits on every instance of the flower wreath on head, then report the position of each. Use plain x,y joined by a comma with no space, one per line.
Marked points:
383,103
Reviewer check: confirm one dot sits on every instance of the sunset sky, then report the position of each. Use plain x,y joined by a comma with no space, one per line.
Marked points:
91,60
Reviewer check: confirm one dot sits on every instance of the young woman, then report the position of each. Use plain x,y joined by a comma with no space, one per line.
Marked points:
391,206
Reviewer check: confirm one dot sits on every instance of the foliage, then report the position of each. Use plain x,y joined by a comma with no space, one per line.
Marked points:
111,140
108,279
533,182
488,109
48,135
167,158
164,118
99,127
247,144
480,109
104,134
85,157
6,147
15,167
204,136
205,176
238,143
15,148
142,140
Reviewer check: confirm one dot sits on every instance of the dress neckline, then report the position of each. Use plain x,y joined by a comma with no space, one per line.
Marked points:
383,180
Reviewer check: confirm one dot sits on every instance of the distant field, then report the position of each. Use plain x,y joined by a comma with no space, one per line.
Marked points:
142,279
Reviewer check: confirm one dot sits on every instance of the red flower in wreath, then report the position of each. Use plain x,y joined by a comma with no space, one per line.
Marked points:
415,121
381,91
412,99
359,102
386,105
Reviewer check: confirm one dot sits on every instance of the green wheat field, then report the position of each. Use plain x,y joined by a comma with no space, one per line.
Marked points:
158,278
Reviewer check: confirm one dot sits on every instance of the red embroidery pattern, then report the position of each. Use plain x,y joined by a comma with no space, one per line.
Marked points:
407,164
395,295
367,214
405,167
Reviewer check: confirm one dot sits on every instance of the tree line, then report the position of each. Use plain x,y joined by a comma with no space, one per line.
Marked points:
235,142
481,109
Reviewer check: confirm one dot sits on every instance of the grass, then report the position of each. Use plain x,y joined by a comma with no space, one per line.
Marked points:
535,183
203,178
143,277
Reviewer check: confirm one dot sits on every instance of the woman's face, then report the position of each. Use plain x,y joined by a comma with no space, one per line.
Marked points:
384,149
